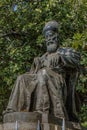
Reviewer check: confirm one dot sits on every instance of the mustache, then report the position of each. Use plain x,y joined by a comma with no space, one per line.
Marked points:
50,42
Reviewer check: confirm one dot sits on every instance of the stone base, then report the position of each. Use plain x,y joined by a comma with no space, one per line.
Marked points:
33,126
31,121
20,126
21,116
1,126
29,126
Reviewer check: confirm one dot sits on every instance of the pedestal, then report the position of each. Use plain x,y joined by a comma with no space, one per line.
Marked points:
35,121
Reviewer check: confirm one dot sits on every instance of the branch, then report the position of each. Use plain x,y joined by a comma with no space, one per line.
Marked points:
15,34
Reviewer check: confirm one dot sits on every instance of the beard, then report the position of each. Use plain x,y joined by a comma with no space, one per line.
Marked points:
52,48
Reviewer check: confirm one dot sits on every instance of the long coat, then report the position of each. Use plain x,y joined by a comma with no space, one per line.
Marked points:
49,86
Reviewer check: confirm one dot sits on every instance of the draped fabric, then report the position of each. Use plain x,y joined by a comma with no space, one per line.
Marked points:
46,88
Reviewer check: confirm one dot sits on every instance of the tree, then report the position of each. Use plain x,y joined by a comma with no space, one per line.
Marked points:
21,37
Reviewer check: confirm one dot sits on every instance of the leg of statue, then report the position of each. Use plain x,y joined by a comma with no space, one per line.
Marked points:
17,97
42,102
21,94
56,83
56,101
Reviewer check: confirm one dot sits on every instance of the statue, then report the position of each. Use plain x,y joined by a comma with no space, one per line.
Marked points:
49,87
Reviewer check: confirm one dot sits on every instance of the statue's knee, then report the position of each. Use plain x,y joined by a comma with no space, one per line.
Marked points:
42,76
43,72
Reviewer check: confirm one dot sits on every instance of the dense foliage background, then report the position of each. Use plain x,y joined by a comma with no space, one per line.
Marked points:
21,39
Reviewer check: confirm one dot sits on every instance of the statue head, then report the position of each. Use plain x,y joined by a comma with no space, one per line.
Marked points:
51,36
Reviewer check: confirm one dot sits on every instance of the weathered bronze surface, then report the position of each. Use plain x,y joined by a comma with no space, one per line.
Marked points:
49,87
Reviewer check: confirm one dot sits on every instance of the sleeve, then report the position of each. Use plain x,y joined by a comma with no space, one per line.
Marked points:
69,57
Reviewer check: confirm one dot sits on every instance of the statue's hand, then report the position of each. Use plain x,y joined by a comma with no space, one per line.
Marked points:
54,61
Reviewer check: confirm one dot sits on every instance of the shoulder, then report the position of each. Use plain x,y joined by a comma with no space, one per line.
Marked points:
44,55
68,52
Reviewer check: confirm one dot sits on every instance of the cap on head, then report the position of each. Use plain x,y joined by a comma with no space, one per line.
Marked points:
51,25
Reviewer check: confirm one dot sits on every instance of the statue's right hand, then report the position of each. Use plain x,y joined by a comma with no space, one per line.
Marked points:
54,60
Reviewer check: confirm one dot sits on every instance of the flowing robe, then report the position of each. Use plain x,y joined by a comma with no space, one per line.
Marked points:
44,88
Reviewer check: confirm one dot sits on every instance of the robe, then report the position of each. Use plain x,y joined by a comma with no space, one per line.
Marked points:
49,86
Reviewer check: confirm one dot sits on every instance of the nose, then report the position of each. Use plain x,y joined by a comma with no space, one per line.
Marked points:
49,38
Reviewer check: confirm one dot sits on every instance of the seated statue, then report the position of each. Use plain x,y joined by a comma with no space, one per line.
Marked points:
49,87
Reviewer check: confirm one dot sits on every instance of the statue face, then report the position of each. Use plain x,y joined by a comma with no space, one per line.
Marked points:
51,41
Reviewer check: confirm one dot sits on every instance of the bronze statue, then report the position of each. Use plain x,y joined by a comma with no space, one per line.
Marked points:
50,85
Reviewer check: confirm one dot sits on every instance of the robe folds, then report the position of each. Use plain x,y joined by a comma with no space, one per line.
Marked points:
49,86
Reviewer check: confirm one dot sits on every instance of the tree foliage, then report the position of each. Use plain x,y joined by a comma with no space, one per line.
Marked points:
21,38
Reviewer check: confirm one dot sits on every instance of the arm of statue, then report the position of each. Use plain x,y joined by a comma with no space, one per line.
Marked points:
64,58
69,57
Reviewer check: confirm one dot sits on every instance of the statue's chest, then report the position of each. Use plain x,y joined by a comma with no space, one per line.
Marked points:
51,60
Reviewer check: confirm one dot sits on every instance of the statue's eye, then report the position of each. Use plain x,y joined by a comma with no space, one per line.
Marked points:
49,34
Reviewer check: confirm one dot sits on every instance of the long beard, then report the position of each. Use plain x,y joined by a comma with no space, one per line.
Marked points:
52,48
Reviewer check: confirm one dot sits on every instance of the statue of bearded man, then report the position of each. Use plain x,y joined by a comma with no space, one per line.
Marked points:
49,87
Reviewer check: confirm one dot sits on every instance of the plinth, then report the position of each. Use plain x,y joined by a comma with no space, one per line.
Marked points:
34,121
